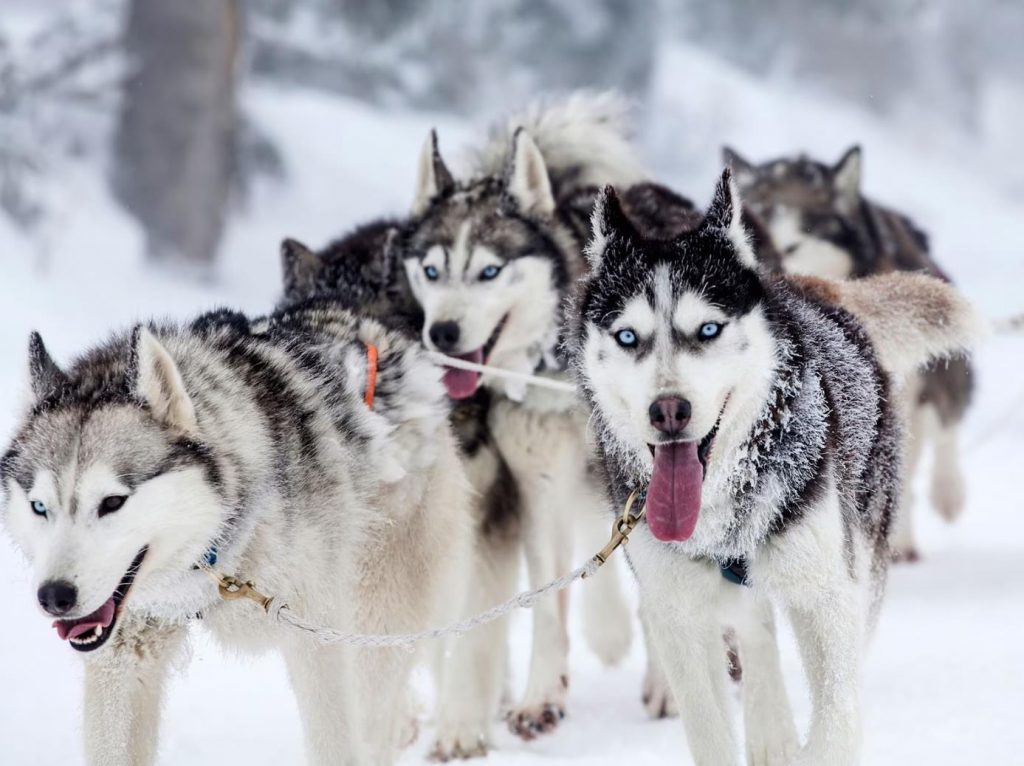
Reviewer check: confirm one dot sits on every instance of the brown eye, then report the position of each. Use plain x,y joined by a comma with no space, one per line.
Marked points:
111,503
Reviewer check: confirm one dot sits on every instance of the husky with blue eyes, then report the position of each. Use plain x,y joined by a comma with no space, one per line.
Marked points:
281,449
751,414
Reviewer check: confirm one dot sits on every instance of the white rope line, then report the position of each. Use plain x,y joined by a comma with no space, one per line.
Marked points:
279,612
536,380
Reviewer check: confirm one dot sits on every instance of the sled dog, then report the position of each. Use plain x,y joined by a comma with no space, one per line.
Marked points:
309,451
752,416
824,226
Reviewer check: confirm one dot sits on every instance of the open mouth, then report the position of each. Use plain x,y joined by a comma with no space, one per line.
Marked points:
461,384
674,494
89,633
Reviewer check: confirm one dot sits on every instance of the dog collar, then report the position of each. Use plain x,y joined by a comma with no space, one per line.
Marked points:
371,375
735,571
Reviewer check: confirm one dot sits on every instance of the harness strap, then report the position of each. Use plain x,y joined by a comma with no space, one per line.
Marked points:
371,374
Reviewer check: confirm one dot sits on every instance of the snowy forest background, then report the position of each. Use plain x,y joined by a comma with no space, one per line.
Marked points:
153,153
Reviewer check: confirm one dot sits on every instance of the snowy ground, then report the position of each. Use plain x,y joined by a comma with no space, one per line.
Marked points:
945,680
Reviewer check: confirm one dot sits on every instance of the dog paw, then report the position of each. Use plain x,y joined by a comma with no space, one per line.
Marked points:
460,745
657,697
948,500
905,555
610,641
531,721
771,744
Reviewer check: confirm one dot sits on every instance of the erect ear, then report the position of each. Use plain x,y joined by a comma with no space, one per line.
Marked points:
434,178
45,377
528,181
846,178
299,267
725,218
608,222
158,383
743,171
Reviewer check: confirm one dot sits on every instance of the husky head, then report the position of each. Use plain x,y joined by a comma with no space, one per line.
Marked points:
668,338
485,262
810,208
104,482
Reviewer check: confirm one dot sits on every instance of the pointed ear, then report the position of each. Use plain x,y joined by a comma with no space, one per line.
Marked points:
299,267
608,221
434,178
45,377
725,217
846,178
528,181
743,171
158,383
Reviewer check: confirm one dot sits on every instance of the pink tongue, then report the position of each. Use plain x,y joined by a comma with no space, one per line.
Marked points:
673,498
462,383
75,628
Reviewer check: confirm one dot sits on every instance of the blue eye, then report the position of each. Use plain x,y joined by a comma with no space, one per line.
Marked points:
431,272
626,338
709,330
39,507
490,272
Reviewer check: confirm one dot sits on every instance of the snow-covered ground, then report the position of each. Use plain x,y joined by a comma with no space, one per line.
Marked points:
945,678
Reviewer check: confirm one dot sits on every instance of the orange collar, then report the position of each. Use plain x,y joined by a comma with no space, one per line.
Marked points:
371,374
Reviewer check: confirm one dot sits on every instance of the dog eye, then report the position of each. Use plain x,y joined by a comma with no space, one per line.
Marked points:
709,330
490,272
111,503
431,272
38,507
626,338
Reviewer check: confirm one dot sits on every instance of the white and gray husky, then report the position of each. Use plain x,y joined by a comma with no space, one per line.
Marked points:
274,448
753,416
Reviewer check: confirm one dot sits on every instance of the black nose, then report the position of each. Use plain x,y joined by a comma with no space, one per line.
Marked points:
57,597
445,335
670,414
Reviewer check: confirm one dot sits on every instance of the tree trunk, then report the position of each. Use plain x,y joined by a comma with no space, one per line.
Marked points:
175,144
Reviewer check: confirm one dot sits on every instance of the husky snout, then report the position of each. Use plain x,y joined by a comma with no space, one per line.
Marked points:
445,335
670,415
57,597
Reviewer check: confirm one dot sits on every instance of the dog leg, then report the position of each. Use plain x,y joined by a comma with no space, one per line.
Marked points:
321,677
947,491
830,634
768,718
681,599
607,617
657,696
123,691
472,675
547,543
902,543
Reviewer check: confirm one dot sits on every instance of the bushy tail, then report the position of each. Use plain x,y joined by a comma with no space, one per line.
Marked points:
584,139
911,318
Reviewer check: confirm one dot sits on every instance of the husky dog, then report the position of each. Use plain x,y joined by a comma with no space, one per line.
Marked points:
274,448
824,226
489,255
752,416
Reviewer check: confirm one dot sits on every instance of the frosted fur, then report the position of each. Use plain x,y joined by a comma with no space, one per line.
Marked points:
251,437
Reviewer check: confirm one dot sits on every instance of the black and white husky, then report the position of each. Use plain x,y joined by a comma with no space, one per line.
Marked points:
752,416
271,449
822,225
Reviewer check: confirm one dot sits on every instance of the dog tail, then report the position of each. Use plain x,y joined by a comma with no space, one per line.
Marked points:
911,318
584,139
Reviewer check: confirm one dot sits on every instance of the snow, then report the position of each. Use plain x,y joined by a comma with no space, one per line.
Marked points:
944,679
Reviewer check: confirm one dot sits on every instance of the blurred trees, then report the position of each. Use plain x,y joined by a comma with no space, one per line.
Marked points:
175,142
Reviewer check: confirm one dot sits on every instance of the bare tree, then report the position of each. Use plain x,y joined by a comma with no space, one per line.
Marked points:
175,143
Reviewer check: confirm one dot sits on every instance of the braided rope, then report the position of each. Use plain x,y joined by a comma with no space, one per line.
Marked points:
279,612
535,380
